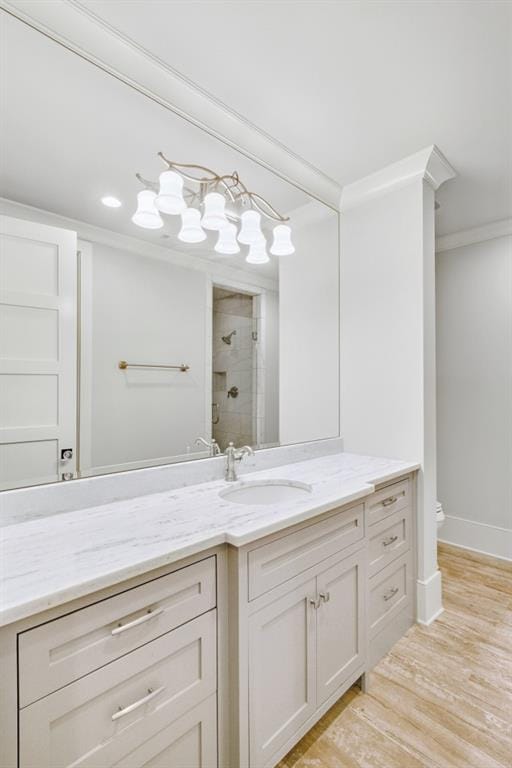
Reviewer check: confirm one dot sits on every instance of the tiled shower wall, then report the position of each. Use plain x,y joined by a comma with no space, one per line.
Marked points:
233,365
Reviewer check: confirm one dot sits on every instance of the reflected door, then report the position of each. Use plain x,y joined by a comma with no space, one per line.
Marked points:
38,352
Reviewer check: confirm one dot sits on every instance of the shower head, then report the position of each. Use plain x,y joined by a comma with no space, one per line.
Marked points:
227,339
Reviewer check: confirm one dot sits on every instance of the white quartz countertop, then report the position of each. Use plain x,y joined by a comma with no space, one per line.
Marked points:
50,561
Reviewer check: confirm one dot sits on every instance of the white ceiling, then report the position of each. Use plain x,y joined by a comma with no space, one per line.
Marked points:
72,134
351,85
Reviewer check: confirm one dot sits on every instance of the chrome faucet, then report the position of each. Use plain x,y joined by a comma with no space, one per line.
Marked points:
232,456
212,446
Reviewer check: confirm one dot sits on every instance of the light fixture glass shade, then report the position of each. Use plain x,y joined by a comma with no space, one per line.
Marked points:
227,244
191,231
282,244
214,216
146,215
170,195
257,254
250,231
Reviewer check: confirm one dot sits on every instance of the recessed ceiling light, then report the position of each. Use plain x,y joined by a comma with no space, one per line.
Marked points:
111,202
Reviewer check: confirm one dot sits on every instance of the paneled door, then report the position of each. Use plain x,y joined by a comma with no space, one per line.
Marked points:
281,671
340,628
38,353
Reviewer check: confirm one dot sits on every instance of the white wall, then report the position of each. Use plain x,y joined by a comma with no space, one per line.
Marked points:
144,311
309,330
474,391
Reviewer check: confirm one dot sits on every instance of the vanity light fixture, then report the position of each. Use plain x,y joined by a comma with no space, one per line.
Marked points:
257,253
282,244
170,194
213,202
191,230
227,244
111,202
214,216
146,215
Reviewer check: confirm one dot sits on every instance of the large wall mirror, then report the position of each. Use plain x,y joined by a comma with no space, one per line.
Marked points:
134,335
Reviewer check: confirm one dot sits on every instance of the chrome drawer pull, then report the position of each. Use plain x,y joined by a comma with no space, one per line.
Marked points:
392,592
325,596
390,540
137,622
388,502
136,704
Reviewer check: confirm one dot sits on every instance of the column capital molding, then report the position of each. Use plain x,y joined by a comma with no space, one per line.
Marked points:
428,164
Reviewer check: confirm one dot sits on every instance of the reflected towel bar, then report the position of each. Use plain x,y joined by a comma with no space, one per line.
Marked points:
123,365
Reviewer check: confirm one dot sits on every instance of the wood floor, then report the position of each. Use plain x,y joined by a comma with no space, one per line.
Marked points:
443,696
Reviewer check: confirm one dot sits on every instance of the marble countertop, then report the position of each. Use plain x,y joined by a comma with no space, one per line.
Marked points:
50,561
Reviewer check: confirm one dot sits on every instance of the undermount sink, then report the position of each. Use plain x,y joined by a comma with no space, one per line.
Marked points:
266,492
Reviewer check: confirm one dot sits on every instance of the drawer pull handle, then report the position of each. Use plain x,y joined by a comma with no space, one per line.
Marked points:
392,592
136,704
137,622
389,501
325,596
390,540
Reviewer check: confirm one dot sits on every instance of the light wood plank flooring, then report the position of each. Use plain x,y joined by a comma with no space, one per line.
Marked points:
442,697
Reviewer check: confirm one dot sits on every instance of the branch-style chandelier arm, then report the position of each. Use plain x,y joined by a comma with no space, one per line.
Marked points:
214,177
147,183
263,206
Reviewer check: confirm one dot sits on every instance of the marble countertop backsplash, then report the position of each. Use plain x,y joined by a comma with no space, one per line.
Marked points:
49,561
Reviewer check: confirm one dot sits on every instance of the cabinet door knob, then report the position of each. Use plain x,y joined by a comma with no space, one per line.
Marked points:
325,596
315,603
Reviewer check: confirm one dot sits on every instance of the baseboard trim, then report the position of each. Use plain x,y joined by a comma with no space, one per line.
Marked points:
431,619
429,601
478,537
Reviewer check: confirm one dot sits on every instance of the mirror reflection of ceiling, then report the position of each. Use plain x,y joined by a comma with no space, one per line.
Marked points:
73,134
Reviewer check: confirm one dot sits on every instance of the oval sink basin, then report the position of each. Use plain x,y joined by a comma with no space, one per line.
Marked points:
266,492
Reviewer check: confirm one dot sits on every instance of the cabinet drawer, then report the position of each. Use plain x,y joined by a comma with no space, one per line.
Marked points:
389,539
388,500
110,713
274,563
189,742
61,651
390,591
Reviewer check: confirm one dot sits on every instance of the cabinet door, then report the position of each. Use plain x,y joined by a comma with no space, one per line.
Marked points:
340,624
282,673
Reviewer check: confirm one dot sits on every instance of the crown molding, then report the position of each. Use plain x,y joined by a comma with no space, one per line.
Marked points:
489,231
428,164
79,30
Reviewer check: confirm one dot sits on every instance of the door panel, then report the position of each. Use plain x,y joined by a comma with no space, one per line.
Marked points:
340,629
281,670
38,349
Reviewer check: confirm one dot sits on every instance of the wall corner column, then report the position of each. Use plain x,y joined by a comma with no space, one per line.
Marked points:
388,377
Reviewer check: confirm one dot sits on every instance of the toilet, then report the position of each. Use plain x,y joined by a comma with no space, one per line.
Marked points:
440,516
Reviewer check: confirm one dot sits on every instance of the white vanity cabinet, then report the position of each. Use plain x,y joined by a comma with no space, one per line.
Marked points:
128,681
222,660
